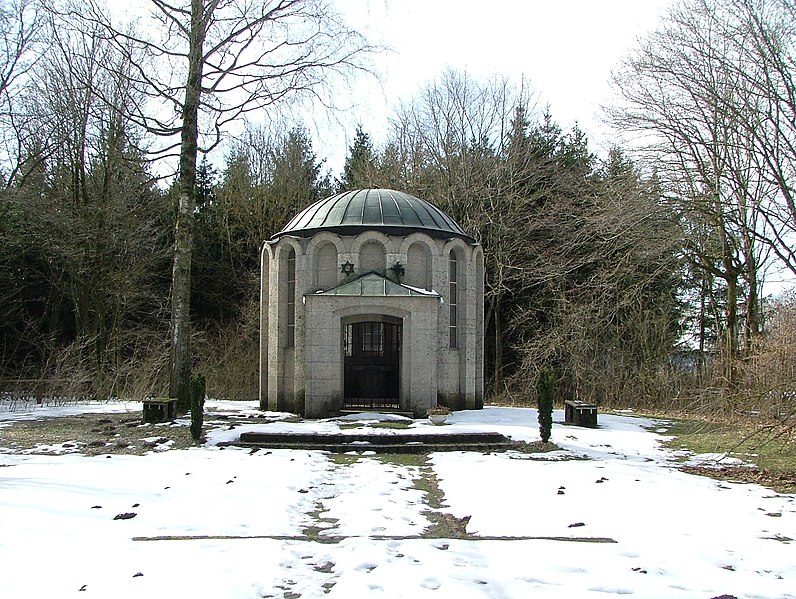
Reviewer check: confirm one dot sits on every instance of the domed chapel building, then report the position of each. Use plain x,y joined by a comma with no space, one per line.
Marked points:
371,299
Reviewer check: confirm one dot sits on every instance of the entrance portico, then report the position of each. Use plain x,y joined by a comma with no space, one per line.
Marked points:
384,352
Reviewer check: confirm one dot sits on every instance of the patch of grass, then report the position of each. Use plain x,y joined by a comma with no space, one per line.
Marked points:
771,450
402,459
679,427
397,459
345,459
94,434
320,525
396,424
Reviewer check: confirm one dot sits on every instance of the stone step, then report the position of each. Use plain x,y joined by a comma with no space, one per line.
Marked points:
379,443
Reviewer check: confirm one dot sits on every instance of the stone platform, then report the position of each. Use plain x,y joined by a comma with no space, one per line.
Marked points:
378,442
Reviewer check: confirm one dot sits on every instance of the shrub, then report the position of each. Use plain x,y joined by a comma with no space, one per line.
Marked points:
545,394
197,406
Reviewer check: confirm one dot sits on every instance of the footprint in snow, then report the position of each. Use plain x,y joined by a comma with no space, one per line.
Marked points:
367,567
431,583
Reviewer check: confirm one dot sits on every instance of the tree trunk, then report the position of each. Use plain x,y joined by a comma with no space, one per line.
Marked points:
731,348
752,328
180,384
498,347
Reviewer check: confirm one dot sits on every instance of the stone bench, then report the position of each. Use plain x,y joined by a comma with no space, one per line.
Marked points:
580,413
161,409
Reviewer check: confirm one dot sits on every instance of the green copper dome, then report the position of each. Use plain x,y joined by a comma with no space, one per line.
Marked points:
385,210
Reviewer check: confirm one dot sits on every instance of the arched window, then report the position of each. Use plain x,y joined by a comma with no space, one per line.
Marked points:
453,299
291,298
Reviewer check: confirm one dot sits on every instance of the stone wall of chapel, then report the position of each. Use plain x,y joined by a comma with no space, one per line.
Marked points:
278,383
478,326
458,386
265,265
289,383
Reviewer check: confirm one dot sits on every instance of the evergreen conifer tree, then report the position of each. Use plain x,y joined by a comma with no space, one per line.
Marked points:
545,394
359,170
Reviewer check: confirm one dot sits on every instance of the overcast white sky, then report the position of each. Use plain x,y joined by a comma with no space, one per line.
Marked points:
564,48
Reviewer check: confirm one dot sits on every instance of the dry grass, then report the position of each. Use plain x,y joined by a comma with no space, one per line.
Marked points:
771,448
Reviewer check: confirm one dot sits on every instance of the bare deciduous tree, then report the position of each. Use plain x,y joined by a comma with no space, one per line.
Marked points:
21,25
84,205
682,90
207,64
451,141
762,35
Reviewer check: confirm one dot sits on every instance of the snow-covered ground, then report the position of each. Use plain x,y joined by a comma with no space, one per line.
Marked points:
229,522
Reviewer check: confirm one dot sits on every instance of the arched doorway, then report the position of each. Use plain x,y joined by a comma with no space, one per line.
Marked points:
372,368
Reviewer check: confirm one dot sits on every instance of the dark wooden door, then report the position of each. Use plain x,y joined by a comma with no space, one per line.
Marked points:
372,365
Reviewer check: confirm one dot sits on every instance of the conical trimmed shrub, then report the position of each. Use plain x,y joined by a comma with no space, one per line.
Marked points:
545,395
197,406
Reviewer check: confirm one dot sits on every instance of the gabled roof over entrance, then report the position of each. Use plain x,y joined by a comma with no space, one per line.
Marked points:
373,284
386,210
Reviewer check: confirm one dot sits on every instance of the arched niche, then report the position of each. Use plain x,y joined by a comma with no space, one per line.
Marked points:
326,267
417,272
372,257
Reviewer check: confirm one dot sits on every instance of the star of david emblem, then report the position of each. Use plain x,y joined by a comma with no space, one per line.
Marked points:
347,268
